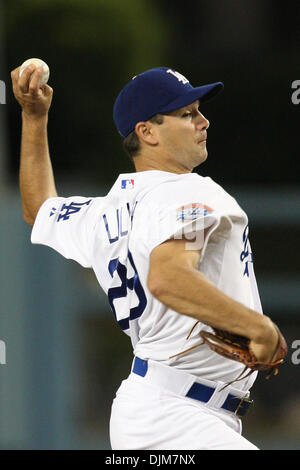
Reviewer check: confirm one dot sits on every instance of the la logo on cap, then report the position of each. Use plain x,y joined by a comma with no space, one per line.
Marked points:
179,76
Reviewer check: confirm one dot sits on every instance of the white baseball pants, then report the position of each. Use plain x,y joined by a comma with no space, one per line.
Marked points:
147,415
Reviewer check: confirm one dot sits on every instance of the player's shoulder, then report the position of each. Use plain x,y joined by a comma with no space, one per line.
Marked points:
129,185
160,186
171,186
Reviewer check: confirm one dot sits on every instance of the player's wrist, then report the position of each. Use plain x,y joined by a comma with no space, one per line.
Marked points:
265,330
34,118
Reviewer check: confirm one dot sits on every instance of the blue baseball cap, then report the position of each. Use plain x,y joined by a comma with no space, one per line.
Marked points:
157,90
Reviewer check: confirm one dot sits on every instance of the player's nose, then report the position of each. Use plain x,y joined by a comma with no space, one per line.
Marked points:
202,123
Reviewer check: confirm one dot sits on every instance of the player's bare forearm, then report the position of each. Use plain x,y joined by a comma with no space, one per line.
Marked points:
188,291
36,175
174,281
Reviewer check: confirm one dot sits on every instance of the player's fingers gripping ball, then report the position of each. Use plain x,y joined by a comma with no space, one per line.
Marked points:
38,63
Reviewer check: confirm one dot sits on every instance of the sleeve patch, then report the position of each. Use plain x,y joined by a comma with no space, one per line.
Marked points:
192,211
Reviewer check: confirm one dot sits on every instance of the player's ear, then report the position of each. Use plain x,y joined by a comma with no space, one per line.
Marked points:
144,131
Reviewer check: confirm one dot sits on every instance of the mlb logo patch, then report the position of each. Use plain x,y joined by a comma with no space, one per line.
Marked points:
193,211
127,184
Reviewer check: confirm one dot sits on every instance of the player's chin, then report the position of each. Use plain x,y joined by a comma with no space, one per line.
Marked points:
202,156
205,155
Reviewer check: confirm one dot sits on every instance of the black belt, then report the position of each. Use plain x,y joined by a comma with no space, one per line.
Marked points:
238,406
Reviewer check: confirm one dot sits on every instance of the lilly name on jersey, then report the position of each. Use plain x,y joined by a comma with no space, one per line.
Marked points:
118,221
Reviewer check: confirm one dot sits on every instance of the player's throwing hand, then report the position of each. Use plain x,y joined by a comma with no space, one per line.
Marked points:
34,100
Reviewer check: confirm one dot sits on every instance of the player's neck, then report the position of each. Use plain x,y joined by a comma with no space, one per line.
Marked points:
145,163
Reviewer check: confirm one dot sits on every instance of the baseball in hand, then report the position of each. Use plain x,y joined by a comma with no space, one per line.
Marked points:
37,63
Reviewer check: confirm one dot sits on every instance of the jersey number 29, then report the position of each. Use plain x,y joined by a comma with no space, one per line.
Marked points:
133,283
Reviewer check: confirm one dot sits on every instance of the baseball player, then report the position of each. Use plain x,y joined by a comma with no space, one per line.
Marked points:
171,250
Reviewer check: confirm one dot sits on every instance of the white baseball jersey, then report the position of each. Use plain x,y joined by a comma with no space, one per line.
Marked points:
114,235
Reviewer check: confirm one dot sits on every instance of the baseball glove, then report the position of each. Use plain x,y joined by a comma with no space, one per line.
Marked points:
237,348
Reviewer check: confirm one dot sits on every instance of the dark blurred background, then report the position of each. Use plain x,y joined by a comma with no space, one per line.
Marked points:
64,355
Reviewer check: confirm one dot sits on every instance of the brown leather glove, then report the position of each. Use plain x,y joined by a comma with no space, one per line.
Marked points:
237,348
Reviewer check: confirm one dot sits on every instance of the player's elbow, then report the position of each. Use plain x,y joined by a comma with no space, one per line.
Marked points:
28,219
28,216
157,283
153,286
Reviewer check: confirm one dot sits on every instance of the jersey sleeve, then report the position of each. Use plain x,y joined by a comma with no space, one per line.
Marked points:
67,225
178,211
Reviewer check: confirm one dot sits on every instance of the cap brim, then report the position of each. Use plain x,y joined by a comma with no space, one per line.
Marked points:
202,93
